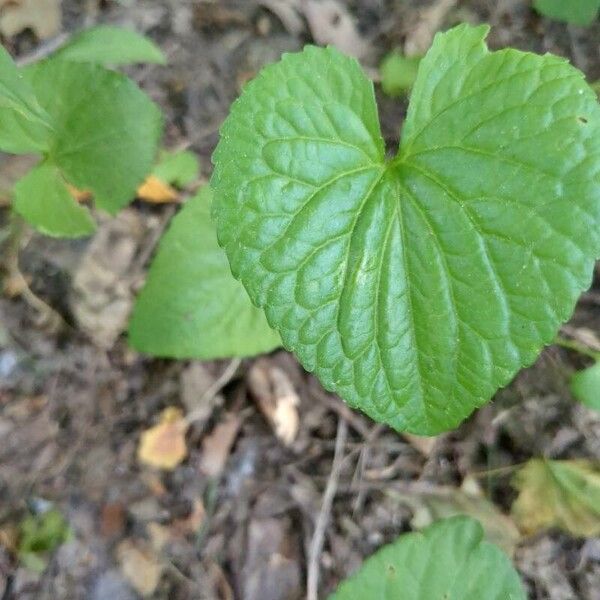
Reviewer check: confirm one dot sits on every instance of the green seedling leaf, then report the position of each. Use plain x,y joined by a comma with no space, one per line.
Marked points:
106,45
40,535
44,201
558,493
191,307
578,12
585,386
178,168
448,560
398,73
106,128
16,95
414,287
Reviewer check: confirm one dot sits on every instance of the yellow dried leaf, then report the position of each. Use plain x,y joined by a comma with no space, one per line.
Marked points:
79,195
140,566
558,493
163,446
156,191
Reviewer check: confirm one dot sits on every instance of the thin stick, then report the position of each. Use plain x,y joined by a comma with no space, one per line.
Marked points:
213,390
577,347
316,545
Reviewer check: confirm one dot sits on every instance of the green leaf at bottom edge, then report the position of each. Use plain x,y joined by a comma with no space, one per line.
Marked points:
448,560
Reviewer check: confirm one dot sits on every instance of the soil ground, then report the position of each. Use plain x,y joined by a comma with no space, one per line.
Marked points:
72,410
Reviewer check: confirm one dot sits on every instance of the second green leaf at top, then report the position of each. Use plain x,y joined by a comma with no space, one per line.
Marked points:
414,287
448,560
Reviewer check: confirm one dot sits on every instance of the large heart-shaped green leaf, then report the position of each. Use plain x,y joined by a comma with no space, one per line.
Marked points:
447,561
414,286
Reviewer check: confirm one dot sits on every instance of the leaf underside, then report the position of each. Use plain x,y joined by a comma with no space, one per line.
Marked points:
448,559
191,307
415,286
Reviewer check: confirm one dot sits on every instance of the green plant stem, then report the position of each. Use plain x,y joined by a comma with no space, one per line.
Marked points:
577,347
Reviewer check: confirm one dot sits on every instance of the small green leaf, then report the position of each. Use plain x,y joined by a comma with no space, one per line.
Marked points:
448,560
40,535
16,95
398,73
106,45
43,200
191,306
578,12
106,128
585,386
178,168
558,493
414,287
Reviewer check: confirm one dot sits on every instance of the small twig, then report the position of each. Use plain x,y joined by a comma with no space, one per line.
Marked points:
497,471
584,336
316,545
212,391
146,252
49,317
577,347
342,410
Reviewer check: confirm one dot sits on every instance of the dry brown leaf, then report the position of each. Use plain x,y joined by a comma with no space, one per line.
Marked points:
155,191
431,19
287,12
160,535
9,537
217,445
102,283
331,23
43,17
193,522
271,566
163,446
276,398
79,195
195,383
112,519
140,566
